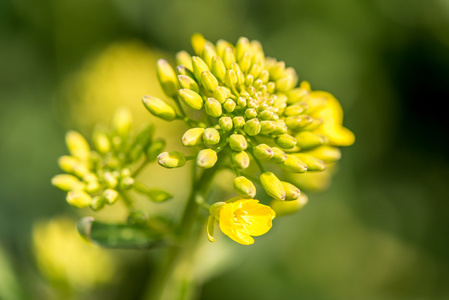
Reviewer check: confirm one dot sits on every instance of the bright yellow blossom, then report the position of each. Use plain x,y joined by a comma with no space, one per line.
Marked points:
240,219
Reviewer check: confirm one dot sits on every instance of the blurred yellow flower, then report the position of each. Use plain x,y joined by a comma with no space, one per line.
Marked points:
64,257
240,219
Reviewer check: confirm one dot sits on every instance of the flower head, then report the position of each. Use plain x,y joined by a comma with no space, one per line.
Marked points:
241,219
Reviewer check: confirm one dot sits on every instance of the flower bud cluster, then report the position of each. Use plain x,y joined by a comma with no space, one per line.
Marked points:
253,111
99,176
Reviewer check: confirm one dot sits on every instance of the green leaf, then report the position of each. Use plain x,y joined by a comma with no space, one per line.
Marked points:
119,235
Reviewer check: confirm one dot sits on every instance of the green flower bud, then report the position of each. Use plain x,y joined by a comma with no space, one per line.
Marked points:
244,187
222,45
206,158
285,141
213,107
138,217
245,62
126,183
297,95
238,142
186,82
218,68
228,57
286,83
199,66
298,122
101,141
265,114
241,102
239,122
282,208
252,127
250,113
77,145
271,86
229,105
294,164
291,191
326,153
190,98
98,203
255,70
158,195
182,70
243,45
272,185
240,78
111,196
193,137
307,140
281,128
68,163
209,81
154,149
264,76
172,159
79,199
279,156
225,123
221,94
67,182
293,111
92,185
313,164
167,77
277,70
211,136
230,78
240,159
184,58
209,53
263,152
267,127
313,125
110,180
159,108
249,79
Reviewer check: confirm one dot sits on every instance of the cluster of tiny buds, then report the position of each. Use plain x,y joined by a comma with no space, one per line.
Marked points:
252,109
100,176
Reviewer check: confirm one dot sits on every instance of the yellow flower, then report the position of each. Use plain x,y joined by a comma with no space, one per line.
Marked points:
240,219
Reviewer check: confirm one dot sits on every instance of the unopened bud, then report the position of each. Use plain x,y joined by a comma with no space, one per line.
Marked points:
110,195
79,198
209,81
243,45
199,66
208,53
172,159
211,136
241,159
244,187
263,152
67,182
213,107
298,122
279,156
186,82
184,58
110,180
221,94
225,123
267,127
238,142
291,191
101,141
193,137
167,77
68,163
245,62
228,57
239,122
293,110
250,113
190,98
230,78
98,203
218,68
313,164
307,140
282,208
272,185
206,158
294,164
229,105
286,83
285,141
198,43
159,108
281,128
138,217
252,127
77,145
126,183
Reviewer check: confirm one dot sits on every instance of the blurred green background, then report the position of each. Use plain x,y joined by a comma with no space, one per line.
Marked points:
381,231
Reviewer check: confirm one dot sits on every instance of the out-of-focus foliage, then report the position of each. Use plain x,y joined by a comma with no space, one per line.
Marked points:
380,232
